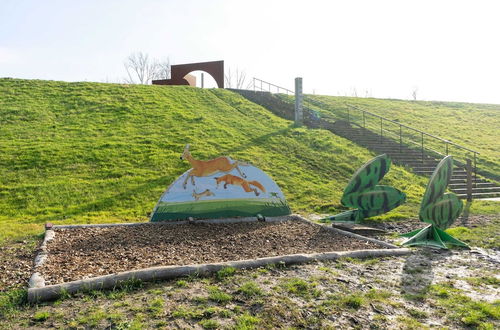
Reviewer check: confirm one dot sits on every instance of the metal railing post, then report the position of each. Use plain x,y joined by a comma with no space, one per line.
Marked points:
381,130
468,169
400,139
475,169
422,147
364,124
446,148
348,116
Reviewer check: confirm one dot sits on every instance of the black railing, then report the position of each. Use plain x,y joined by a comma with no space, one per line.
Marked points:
264,86
406,135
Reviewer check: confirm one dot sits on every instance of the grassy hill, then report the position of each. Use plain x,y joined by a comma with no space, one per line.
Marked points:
94,153
90,152
474,126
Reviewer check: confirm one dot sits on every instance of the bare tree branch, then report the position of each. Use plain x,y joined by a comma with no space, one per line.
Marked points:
236,80
141,69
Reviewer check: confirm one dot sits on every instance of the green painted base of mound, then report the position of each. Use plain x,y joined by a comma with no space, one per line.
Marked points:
214,209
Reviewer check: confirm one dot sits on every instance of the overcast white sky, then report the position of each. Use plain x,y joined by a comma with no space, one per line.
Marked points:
449,50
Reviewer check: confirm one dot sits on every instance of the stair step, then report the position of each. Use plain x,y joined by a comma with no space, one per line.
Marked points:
478,190
432,168
428,162
454,177
429,172
475,185
479,195
464,181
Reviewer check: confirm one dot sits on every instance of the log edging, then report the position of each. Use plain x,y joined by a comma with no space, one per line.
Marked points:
51,292
38,291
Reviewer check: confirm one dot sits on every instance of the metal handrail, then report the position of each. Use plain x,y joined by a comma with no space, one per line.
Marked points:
269,85
412,128
364,113
422,134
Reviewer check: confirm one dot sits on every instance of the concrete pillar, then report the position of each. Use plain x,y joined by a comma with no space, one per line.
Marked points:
299,116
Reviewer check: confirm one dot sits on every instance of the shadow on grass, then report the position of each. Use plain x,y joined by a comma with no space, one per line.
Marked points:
109,203
464,219
418,274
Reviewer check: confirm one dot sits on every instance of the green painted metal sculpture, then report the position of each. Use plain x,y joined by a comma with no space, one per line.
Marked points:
363,193
439,209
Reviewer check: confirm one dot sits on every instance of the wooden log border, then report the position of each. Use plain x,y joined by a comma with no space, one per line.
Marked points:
38,292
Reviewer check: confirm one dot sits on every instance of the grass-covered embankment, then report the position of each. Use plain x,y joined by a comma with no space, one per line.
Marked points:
90,152
87,152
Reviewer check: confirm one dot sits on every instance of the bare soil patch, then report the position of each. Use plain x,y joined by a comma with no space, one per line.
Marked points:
87,252
408,225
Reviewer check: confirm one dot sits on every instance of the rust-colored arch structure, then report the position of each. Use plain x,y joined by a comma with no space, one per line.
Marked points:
178,72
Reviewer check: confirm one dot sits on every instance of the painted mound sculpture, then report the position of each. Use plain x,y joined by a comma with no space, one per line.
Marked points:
220,188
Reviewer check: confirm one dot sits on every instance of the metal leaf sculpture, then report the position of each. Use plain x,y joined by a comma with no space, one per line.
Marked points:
439,209
363,193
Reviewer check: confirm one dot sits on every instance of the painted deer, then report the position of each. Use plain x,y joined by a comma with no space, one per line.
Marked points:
206,193
208,167
237,181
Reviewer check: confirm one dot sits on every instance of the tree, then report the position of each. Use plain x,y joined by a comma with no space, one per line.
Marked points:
142,70
236,79
414,93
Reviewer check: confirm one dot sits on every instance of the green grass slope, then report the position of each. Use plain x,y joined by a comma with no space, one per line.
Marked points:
474,126
90,152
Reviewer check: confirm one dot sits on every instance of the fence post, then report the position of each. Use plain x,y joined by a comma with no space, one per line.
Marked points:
422,147
468,168
400,138
475,169
381,131
298,101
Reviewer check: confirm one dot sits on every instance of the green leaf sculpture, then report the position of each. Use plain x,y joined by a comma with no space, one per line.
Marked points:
439,209
363,193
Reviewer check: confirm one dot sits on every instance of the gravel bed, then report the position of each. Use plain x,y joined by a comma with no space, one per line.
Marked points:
87,252
16,263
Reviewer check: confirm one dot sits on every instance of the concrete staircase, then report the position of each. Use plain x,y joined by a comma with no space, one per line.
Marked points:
421,164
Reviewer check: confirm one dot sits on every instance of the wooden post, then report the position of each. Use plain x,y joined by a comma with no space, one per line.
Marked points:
468,168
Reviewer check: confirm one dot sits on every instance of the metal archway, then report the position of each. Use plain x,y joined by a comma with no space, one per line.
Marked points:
178,72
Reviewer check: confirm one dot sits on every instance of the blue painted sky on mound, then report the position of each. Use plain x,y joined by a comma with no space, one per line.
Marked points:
177,193
447,50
